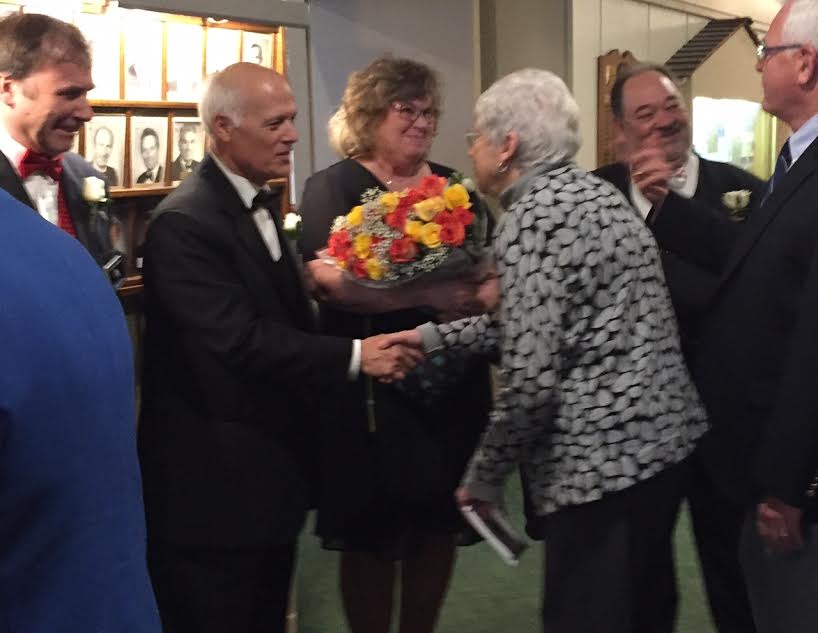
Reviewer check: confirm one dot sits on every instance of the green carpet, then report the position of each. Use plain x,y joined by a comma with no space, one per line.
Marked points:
486,596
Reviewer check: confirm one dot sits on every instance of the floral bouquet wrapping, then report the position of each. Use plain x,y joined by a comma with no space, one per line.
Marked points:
433,230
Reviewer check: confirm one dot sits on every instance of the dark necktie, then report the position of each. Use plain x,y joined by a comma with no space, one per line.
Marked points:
38,163
781,166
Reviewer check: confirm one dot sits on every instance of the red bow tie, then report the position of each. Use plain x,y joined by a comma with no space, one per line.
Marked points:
35,162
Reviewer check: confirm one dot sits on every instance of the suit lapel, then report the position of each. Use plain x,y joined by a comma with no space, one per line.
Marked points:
761,217
77,207
10,181
286,277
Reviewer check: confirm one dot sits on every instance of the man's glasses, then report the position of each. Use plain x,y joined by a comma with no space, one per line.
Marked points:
411,114
763,51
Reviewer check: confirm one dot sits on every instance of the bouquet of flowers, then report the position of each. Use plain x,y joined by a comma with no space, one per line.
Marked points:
434,230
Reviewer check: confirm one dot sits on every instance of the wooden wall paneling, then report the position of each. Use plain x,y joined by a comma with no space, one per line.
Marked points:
126,179
121,64
608,66
205,31
169,149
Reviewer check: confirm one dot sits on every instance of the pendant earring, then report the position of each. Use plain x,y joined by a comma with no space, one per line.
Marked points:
502,167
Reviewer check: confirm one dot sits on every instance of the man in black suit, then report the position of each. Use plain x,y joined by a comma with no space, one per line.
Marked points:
184,163
649,111
233,372
757,357
45,76
149,148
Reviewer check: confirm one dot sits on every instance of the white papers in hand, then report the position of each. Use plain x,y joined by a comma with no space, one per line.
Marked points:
497,532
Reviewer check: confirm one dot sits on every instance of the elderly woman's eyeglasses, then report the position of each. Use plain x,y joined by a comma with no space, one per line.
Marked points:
471,138
763,51
411,114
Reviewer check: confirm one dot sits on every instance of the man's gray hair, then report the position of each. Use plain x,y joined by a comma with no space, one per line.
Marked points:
537,105
801,25
219,97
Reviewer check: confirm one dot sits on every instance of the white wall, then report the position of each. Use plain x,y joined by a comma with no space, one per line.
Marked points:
650,32
345,35
519,34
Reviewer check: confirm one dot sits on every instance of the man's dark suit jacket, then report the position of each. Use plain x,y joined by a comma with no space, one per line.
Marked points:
96,238
757,363
691,285
145,176
177,169
232,370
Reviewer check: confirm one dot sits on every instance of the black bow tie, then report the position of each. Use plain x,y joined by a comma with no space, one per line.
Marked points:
266,198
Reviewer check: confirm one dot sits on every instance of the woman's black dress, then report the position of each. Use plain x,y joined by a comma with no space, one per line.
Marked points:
380,491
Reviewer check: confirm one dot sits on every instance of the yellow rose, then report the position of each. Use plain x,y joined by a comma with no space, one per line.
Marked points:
374,268
362,245
413,229
426,210
355,216
456,196
389,201
430,235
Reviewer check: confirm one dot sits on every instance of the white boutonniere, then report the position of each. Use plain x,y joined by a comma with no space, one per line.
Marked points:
736,201
292,226
93,192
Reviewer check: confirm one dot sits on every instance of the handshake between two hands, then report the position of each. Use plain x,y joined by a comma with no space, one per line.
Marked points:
389,357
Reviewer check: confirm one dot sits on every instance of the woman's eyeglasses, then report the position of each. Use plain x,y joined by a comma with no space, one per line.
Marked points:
411,114
471,138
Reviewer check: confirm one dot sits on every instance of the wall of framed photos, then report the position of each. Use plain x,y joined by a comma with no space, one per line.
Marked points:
148,67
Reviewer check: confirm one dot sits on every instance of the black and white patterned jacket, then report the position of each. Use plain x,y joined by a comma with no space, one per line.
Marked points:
594,394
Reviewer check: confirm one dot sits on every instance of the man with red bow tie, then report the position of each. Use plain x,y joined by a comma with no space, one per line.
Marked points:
45,76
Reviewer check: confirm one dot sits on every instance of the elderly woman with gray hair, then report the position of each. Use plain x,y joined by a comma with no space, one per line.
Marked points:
595,402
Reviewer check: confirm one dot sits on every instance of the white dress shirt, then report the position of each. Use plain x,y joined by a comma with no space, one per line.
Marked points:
42,189
247,191
685,186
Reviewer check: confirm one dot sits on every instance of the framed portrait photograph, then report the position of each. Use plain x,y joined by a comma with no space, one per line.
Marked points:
102,33
258,48
105,147
143,58
223,48
149,143
188,147
184,61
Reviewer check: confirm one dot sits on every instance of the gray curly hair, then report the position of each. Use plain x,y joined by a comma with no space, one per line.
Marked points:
539,107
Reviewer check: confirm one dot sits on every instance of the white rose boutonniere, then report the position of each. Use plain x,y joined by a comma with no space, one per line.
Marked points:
93,192
737,202
292,225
